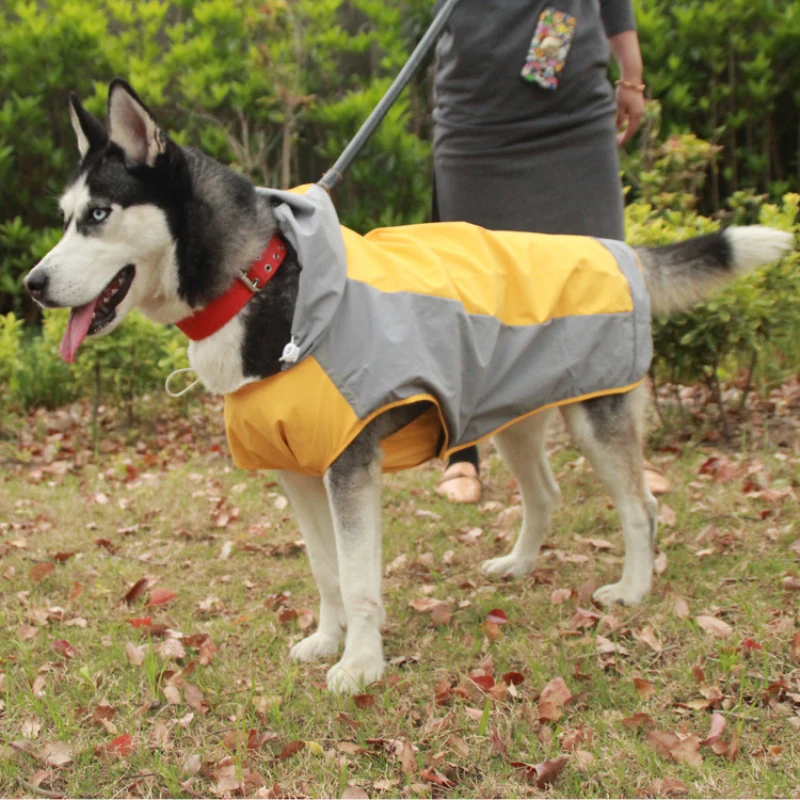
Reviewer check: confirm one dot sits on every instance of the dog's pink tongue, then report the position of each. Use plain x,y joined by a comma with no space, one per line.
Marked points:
80,319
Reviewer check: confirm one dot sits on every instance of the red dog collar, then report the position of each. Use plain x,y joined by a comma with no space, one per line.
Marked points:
224,308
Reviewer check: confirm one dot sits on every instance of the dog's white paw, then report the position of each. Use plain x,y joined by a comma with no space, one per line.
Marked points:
351,675
509,566
620,594
315,646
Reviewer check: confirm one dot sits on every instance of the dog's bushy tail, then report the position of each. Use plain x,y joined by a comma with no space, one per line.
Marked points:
678,276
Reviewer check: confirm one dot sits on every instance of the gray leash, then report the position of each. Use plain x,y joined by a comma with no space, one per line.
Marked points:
334,175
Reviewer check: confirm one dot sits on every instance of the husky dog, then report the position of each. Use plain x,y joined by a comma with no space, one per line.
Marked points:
153,225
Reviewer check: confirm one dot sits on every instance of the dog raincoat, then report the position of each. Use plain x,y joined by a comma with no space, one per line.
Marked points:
487,327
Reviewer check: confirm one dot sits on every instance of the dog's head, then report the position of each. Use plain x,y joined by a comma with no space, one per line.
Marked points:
121,212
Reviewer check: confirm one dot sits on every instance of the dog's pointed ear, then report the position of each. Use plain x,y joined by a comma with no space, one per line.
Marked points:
132,127
91,134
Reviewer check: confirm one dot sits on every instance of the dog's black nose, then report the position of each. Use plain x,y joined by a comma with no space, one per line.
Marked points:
35,283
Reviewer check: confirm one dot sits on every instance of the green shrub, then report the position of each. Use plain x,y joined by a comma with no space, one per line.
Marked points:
272,88
44,378
10,338
132,361
727,70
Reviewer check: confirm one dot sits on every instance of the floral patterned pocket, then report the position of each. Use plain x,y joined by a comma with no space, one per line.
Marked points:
549,48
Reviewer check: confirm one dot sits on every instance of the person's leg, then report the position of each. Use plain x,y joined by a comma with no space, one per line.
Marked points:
461,481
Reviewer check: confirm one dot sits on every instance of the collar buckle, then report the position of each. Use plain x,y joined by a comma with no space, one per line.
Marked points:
251,283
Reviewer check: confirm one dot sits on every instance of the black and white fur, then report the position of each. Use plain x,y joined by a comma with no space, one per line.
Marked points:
188,225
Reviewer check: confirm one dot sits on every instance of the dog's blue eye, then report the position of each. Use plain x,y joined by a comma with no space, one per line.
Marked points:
99,214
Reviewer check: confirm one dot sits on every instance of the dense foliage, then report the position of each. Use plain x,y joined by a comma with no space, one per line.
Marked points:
728,71
277,87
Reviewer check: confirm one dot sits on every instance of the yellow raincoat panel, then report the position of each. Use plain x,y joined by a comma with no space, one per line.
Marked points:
299,420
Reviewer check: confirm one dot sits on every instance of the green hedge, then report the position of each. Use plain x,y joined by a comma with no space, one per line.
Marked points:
728,71
273,88
276,88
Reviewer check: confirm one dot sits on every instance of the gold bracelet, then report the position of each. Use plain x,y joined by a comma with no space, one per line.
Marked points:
637,87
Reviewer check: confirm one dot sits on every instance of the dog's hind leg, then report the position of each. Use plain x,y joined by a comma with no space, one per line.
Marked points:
609,431
309,502
354,488
522,448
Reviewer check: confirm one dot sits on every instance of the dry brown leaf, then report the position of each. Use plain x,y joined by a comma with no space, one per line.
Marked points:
597,544
137,590
349,747
648,636
425,604
717,727
160,596
666,516
57,754
687,751
668,787
639,720
135,654
606,647
171,648
173,694
441,614
435,777
27,632
796,647
492,630
644,689
714,626
681,608
408,761
354,793
191,765
30,727
40,571
363,700
556,691
560,596
194,697
662,742
160,735
584,761
459,745
291,749
542,775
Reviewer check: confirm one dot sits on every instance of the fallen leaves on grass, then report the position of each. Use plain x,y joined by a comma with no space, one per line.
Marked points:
56,754
120,746
40,571
672,747
64,647
541,775
714,626
161,596
552,699
135,654
137,590
668,787
644,689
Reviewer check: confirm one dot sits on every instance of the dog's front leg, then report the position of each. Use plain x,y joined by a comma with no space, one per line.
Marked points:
309,501
354,490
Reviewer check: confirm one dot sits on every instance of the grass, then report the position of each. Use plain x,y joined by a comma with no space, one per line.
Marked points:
163,501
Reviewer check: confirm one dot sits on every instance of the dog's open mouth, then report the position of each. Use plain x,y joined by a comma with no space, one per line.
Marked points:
92,317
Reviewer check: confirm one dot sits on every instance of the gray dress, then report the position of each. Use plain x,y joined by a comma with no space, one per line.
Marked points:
511,155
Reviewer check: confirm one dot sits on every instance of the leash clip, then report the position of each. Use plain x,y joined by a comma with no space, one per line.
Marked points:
290,353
